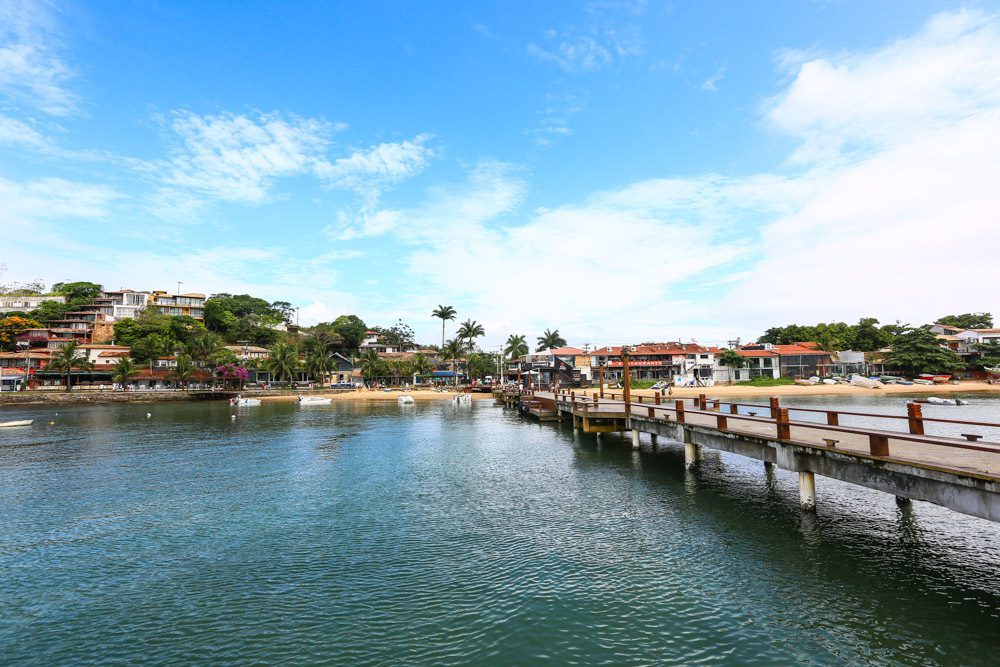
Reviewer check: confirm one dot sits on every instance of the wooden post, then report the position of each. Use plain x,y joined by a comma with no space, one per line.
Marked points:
651,413
722,422
679,406
595,397
878,445
734,409
600,380
914,414
784,430
774,407
626,382
832,419
656,398
702,402
640,399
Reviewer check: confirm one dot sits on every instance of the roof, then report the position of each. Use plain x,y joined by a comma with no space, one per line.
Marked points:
97,346
248,348
564,351
652,349
986,331
799,348
114,353
756,353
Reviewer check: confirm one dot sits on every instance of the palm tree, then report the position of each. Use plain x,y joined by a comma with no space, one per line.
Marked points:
203,346
371,364
453,351
445,313
421,364
319,363
469,331
124,370
66,359
550,340
732,359
516,347
183,370
283,361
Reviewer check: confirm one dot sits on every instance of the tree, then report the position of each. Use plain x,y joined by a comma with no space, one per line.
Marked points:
326,335
372,365
517,346
78,293
919,351
469,331
550,340
732,359
283,361
123,371
968,320
989,353
13,326
206,349
351,329
482,364
422,366
240,317
399,336
453,351
51,310
184,369
319,363
445,313
65,359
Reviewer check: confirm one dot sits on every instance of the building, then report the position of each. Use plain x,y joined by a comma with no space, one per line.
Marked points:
190,305
248,352
758,364
10,303
122,304
104,356
675,362
373,341
803,359
569,366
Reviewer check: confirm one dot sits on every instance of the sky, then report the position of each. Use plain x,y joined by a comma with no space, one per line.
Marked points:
621,171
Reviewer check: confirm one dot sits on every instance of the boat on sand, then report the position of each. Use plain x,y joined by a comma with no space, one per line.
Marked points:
867,383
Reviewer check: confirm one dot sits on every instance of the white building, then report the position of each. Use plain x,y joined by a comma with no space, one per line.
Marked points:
26,303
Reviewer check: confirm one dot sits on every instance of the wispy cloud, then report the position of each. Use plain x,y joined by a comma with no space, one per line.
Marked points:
238,157
711,84
583,51
367,171
32,72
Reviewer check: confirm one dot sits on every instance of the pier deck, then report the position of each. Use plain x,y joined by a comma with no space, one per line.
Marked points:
962,473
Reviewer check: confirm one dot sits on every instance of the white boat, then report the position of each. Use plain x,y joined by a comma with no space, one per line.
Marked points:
829,381
922,381
934,400
22,422
867,383
405,399
463,399
314,400
244,402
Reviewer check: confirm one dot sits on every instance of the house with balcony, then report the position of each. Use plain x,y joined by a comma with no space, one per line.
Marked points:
190,305
104,356
688,364
9,303
757,364
373,341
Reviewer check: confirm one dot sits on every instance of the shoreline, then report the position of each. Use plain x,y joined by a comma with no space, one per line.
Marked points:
15,399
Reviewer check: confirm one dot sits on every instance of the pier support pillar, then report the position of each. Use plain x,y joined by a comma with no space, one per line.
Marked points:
691,455
807,490
653,439
768,466
635,438
903,502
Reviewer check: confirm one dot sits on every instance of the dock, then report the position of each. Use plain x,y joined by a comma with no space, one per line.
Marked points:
960,473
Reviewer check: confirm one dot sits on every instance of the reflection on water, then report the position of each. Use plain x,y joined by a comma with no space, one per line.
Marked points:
360,534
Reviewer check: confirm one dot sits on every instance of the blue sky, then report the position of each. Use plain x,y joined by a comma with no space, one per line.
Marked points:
620,171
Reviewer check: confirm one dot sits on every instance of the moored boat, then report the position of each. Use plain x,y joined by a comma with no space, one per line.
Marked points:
19,422
867,383
405,399
314,400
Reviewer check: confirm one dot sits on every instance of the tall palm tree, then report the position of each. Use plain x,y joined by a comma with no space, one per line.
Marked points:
445,313
124,370
183,370
283,361
469,331
516,346
453,351
203,346
550,340
66,359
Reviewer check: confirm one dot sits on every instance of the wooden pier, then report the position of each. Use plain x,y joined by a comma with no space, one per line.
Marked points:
961,473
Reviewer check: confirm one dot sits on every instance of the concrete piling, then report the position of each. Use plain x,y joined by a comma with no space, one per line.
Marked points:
807,490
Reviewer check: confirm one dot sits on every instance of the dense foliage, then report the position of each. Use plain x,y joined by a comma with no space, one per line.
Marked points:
865,336
399,335
968,320
918,351
153,335
11,327
244,318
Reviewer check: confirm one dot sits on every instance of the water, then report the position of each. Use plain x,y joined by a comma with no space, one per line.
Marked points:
430,535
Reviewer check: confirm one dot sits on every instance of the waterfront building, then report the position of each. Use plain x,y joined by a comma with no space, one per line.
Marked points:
758,364
191,305
104,356
373,341
674,362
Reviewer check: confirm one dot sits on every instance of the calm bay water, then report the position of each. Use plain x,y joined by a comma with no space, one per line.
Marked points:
430,535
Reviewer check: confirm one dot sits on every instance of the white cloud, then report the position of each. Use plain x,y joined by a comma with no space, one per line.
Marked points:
31,71
16,132
368,171
577,51
238,158
711,84
25,205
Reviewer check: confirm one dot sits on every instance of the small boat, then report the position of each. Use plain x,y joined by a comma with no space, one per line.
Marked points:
935,379
922,381
463,399
934,400
314,400
829,381
405,399
867,383
804,383
244,402
906,382
22,422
